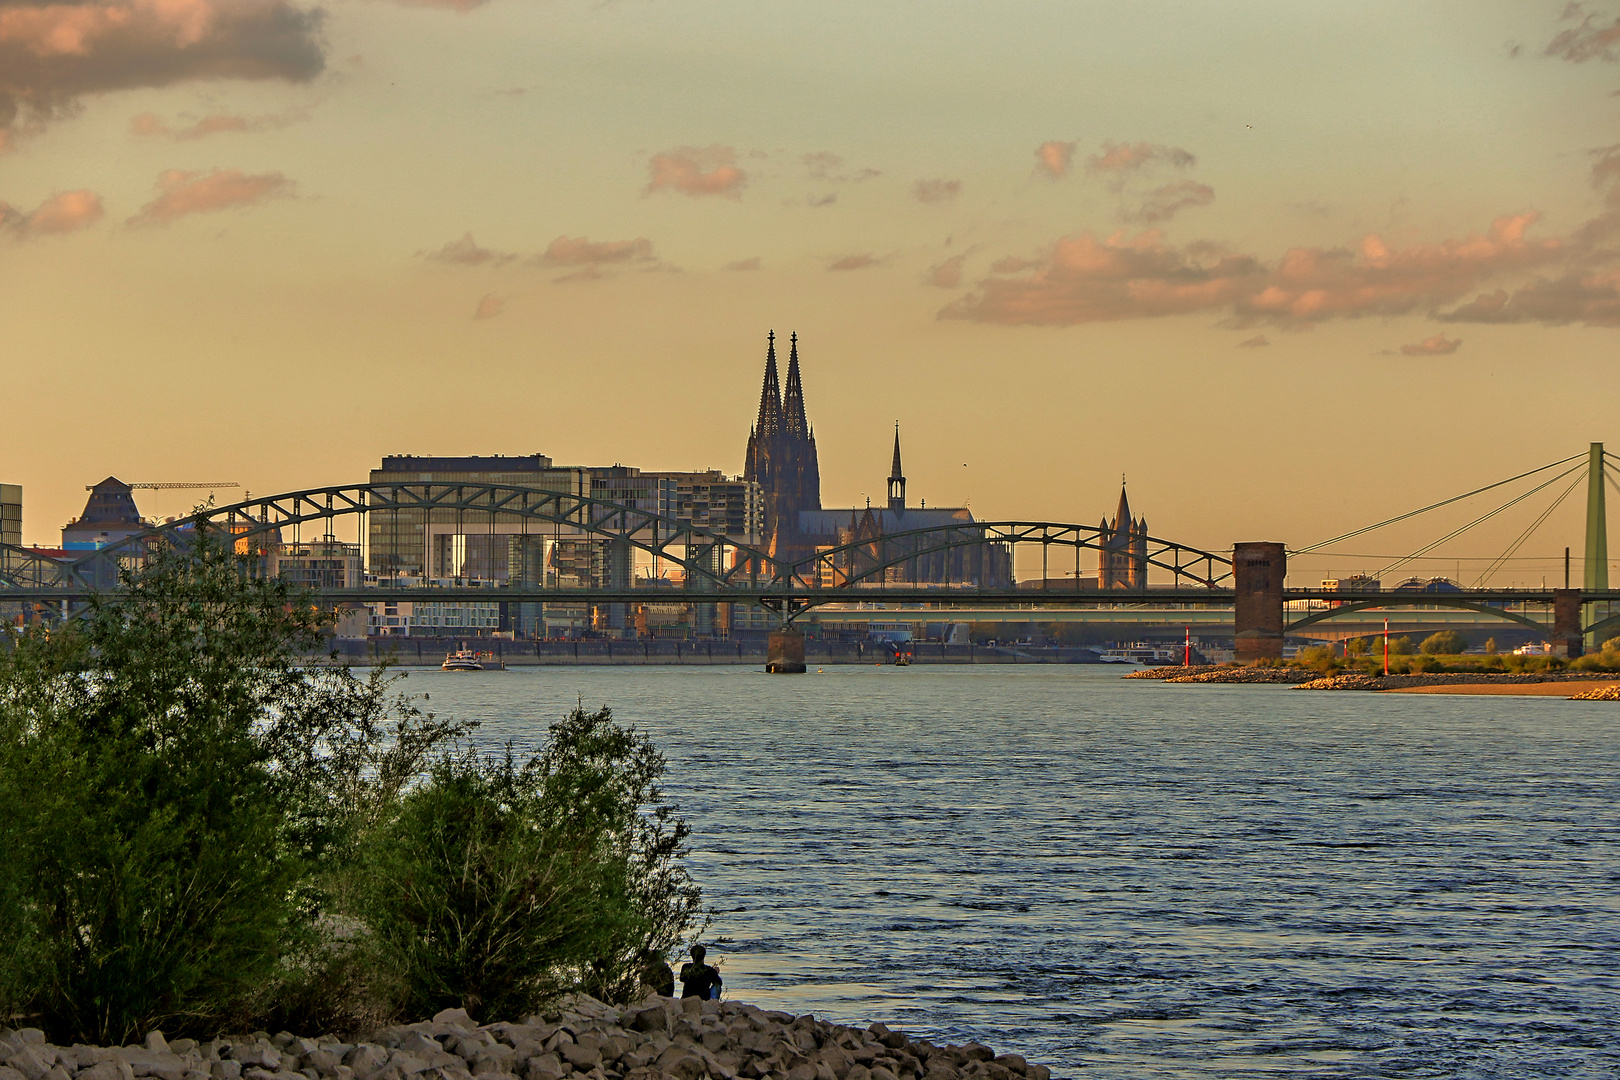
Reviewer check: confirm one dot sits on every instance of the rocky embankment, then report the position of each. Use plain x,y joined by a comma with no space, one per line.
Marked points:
1598,693
1219,673
658,1039
1360,681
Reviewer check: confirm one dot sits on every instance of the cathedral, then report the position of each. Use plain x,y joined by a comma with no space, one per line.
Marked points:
782,459
1122,561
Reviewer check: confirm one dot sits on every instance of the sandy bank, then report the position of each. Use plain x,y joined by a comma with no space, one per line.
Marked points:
1546,689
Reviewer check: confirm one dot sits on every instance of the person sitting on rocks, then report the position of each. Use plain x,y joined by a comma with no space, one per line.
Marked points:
657,977
698,979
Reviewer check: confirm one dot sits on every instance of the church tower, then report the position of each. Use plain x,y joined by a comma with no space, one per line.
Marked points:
1123,560
897,478
782,454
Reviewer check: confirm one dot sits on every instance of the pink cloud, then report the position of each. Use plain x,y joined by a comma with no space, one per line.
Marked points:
1165,202
1590,39
149,125
948,274
489,306
1438,345
53,52
578,251
936,191
697,171
1053,158
1591,297
1087,279
466,252
854,262
1259,341
66,212
743,264
184,193
1120,158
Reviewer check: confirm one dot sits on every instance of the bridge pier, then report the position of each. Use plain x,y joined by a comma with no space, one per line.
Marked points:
1568,639
784,652
1258,570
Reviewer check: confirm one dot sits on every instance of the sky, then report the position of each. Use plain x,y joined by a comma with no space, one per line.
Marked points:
1288,268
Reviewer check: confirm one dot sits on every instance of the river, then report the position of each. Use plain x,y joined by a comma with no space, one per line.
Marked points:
1134,879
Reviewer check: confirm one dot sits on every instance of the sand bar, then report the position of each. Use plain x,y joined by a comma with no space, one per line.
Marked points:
1543,689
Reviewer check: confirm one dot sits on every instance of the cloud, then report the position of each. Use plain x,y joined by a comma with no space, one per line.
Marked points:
936,191
1120,159
54,52
1084,278
825,200
65,212
466,252
1053,158
854,262
1592,298
462,6
1259,341
489,306
1439,345
948,274
829,167
743,264
148,125
184,193
1165,202
697,171
578,251
1589,39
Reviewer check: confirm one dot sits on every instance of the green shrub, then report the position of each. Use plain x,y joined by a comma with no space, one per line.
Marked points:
497,884
1427,664
1443,643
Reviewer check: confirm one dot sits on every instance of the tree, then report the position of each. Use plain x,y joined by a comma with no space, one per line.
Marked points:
1490,646
1444,643
169,794
1401,646
1356,647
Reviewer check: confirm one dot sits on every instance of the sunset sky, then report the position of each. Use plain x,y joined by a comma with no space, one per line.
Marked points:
1289,267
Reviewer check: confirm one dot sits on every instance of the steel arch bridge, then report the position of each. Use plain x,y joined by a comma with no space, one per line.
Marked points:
1394,600
976,559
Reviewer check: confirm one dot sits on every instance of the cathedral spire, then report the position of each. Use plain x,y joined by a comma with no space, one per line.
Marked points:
770,394
793,418
897,477
1122,516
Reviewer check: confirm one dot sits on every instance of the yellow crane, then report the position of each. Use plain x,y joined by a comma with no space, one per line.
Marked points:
173,486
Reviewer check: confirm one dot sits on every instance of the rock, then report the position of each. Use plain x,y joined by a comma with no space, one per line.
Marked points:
420,1045
455,1018
583,1058
156,1043
407,1063
8,1073
224,1070
366,1060
978,1052
30,1061
257,1055
1013,1062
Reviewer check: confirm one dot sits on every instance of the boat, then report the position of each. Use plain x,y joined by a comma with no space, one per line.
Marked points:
462,660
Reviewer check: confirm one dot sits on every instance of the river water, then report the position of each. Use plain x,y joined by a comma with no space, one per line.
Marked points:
1131,879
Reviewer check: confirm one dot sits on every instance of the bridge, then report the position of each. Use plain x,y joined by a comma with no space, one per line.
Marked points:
573,550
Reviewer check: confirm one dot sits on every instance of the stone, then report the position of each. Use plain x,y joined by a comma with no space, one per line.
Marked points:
583,1058
804,1070
1040,1072
366,1059
30,1061
1014,1062
977,1051
323,1060
31,1036
156,1043
420,1045
225,1069
407,1063
455,1018
58,1073
8,1073
257,1055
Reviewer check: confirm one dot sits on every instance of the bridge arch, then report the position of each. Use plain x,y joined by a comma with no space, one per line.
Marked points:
868,559
698,551
1426,600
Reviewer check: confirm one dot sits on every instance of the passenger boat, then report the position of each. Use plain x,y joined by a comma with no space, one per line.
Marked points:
462,660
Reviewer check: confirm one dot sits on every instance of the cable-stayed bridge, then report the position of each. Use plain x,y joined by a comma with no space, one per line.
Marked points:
618,555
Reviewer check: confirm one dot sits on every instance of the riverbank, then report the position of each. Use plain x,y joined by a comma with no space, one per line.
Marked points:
1527,684
430,652
657,1039
1223,673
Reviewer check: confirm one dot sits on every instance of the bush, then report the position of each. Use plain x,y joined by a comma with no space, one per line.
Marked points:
1318,657
497,885
1444,643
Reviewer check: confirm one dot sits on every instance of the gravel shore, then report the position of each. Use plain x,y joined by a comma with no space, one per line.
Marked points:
657,1039
1439,679
1217,673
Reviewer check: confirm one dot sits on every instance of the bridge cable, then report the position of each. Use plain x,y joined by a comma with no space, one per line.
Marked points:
1434,506
1524,536
1426,548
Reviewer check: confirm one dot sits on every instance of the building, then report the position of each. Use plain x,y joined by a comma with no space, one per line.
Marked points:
11,514
781,456
327,563
109,516
1357,583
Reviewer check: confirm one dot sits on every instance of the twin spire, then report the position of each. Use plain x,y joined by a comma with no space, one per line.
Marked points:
781,413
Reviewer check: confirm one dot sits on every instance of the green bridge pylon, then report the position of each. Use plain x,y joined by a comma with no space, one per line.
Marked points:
1596,561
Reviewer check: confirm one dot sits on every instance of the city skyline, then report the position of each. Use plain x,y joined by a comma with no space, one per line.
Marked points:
1057,243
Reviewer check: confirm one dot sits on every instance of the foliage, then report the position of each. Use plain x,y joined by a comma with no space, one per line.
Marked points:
497,884
1356,647
181,797
1490,646
1319,657
1401,646
1443,643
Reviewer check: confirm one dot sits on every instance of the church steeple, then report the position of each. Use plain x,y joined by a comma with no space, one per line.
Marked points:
770,394
1122,516
793,418
897,477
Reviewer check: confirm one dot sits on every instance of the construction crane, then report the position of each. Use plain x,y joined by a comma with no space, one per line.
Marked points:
171,487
